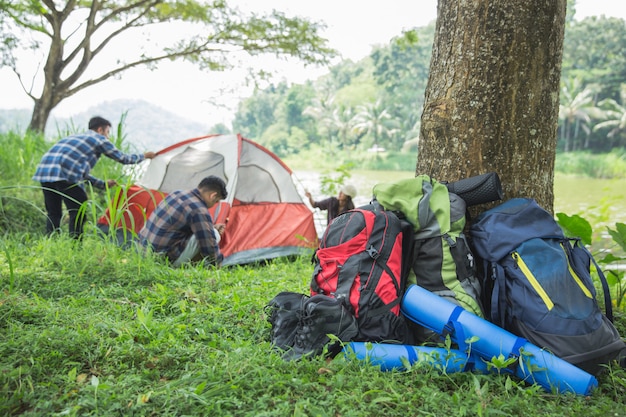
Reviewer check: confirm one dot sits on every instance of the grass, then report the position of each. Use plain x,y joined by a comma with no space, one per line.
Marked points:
610,165
91,329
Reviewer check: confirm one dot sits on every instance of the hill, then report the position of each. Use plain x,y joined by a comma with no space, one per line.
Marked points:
146,126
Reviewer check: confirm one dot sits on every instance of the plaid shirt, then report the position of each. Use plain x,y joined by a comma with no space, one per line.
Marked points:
72,158
179,216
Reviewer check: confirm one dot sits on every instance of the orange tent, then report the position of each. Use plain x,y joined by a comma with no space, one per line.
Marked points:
267,215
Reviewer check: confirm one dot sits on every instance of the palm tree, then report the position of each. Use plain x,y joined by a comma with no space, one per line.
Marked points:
322,110
343,122
615,118
577,106
373,119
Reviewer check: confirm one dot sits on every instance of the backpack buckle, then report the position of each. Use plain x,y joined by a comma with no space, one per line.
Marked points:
450,241
372,252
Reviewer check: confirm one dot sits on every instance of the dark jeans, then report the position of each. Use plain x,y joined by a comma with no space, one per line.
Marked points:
57,193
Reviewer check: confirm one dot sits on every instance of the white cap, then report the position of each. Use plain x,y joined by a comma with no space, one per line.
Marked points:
349,190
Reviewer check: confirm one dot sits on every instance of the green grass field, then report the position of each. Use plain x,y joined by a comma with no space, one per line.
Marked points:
90,329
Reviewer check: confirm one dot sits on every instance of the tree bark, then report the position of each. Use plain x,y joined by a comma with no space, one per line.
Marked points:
41,111
54,88
492,97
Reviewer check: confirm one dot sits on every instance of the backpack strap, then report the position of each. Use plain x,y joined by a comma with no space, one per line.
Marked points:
345,283
456,331
498,296
316,270
384,309
458,261
394,279
454,328
605,289
578,250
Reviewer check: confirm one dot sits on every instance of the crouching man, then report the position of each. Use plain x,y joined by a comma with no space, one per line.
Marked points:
181,228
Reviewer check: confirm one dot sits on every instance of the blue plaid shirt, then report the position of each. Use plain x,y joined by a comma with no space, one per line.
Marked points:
175,219
72,158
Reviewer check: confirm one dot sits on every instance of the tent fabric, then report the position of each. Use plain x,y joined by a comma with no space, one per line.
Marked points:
266,213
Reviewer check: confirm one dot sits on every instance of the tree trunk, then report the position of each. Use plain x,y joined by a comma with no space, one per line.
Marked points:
492,98
41,113
54,89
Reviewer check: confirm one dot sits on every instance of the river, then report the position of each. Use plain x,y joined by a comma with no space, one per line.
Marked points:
602,202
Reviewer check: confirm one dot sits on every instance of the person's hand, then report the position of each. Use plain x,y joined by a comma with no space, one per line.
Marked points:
149,155
220,228
307,194
111,183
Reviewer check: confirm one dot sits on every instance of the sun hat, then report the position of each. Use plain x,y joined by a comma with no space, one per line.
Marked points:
349,190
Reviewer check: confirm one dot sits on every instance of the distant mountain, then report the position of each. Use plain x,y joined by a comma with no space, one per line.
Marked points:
146,126
14,120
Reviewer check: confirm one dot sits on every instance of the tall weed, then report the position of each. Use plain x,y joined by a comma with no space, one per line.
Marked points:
21,203
19,155
610,165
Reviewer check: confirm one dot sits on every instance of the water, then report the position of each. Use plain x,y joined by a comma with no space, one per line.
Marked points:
364,182
591,197
602,202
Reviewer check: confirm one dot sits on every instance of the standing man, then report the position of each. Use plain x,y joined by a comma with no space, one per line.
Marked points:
181,228
64,169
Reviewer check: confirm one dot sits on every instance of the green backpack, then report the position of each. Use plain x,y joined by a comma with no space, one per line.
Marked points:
440,258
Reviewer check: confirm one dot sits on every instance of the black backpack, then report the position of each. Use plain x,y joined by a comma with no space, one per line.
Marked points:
359,261
541,287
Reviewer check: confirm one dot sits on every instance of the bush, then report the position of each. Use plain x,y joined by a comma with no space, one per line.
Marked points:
610,165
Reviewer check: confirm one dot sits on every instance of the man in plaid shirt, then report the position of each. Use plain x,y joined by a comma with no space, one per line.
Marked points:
65,168
182,228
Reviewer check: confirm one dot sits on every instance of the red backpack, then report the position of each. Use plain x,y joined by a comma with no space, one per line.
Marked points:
359,261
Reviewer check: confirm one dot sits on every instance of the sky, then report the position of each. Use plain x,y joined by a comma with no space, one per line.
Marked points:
354,27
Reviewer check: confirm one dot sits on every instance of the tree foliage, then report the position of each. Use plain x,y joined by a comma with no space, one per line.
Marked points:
256,113
393,77
402,70
614,123
74,36
595,52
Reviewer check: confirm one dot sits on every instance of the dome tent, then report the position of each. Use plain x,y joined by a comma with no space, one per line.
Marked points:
266,214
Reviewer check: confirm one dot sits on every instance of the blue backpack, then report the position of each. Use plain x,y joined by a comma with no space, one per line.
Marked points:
539,285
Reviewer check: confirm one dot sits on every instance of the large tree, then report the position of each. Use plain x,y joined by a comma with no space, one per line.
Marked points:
492,98
73,34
